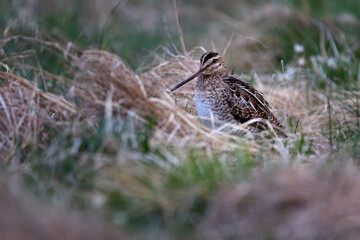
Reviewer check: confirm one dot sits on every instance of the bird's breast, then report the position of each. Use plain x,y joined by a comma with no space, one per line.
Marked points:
203,105
207,109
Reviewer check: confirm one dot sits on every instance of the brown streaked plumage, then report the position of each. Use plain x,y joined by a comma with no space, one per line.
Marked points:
226,98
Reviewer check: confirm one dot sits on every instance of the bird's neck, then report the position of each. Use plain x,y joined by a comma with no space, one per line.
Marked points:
214,73
213,80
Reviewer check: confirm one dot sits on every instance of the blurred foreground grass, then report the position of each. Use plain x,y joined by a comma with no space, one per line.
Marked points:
155,174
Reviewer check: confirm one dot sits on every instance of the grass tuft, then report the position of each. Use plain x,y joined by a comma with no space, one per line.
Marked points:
83,130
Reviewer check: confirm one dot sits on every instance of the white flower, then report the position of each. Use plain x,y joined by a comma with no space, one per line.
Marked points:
298,48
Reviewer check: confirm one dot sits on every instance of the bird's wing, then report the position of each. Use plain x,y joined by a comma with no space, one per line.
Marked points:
247,103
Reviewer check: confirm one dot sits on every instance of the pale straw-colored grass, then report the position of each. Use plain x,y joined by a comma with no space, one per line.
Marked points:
105,85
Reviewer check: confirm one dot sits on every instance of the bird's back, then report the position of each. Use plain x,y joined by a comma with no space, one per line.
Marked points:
247,103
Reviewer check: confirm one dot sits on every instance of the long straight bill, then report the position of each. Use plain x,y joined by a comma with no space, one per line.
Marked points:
188,80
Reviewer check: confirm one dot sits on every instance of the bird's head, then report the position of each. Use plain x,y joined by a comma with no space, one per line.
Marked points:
210,64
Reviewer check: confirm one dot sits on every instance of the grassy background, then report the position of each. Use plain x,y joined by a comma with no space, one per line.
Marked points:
118,169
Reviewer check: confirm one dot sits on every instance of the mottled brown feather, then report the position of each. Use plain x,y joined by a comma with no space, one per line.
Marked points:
247,103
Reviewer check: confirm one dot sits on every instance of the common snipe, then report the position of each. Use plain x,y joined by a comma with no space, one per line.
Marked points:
226,98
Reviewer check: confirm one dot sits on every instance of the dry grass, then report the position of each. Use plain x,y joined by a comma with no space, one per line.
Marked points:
102,84
25,219
287,203
25,111
51,131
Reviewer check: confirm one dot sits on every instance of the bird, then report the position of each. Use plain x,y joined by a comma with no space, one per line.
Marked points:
228,99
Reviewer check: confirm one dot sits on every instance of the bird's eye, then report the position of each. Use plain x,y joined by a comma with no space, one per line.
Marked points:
214,60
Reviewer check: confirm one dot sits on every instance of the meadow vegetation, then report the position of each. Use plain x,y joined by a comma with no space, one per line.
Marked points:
88,123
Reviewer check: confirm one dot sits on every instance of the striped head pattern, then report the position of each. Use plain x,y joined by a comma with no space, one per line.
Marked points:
211,63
